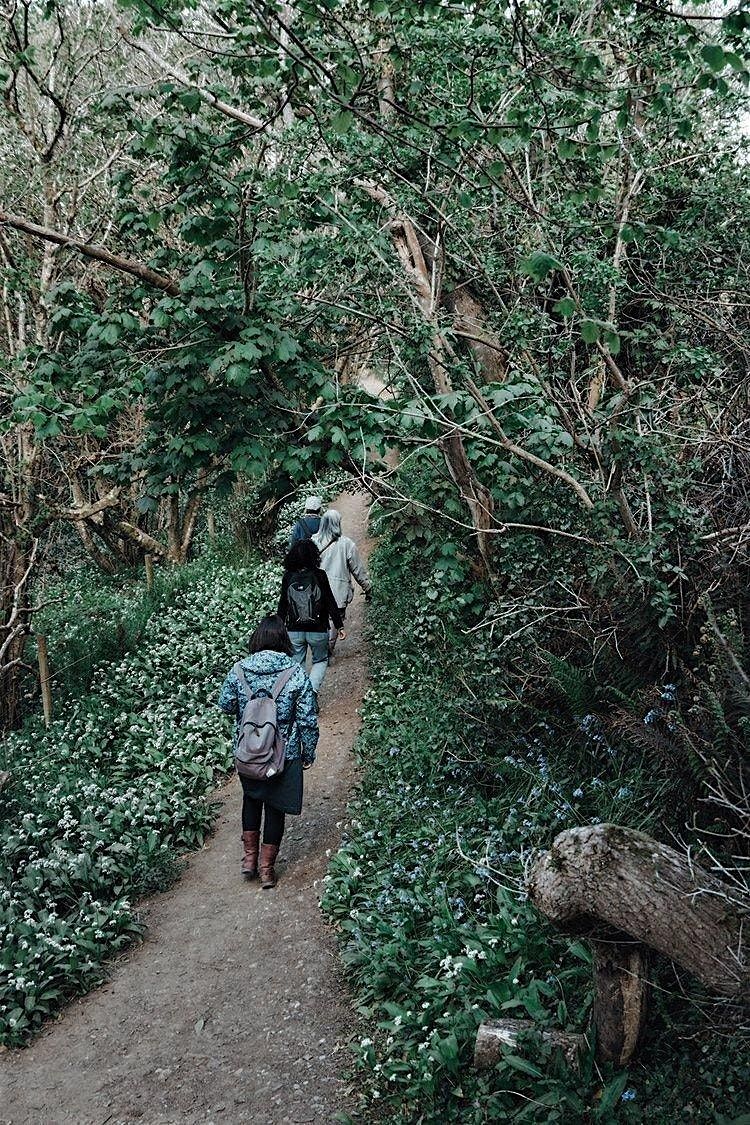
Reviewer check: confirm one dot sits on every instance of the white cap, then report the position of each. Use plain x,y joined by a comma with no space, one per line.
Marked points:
313,503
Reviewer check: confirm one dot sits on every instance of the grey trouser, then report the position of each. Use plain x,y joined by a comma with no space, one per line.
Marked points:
318,643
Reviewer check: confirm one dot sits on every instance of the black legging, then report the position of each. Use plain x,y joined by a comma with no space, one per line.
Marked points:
252,810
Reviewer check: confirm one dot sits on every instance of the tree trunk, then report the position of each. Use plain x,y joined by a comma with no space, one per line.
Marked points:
145,541
190,522
17,565
104,561
425,284
469,324
89,250
604,881
182,523
174,529
18,554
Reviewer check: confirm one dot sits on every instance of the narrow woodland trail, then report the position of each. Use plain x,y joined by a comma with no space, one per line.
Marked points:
234,1008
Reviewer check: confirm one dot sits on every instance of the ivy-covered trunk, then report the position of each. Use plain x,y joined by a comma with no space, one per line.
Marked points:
17,560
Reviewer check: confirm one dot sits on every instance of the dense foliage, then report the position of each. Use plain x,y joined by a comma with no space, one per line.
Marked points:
459,787
530,221
98,809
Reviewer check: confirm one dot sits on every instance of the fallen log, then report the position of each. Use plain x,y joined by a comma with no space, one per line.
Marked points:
628,894
602,880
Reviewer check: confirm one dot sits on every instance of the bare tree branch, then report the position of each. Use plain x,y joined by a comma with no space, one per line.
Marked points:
97,253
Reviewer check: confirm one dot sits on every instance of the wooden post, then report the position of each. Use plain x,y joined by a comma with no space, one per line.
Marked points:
44,680
149,563
211,524
620,997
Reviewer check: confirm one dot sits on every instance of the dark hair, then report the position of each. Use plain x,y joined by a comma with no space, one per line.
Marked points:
271,634
302,555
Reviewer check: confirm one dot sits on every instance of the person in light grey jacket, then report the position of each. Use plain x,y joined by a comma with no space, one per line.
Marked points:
341,561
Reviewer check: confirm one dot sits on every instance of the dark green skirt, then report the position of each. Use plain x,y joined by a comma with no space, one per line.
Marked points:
283,792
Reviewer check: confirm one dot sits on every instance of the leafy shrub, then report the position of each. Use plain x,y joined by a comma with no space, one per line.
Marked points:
460,784
101,806
92,619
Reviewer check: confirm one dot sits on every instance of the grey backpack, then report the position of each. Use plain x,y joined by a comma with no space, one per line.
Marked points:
259,752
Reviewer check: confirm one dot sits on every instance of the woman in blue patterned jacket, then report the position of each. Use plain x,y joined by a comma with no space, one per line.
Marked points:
271,654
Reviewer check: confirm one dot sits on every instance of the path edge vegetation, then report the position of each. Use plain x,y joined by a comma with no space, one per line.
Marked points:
100,809
532,221
460,790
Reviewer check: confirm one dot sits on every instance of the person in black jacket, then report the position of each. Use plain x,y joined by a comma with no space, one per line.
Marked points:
306,606
307,525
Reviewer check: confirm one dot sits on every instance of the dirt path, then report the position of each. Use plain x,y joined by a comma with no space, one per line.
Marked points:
234,1008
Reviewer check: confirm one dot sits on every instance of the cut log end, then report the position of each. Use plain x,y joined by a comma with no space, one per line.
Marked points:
494,1036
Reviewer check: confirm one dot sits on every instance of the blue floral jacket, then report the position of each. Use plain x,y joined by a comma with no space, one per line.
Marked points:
295,705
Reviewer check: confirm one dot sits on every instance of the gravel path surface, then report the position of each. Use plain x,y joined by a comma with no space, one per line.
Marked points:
234,1008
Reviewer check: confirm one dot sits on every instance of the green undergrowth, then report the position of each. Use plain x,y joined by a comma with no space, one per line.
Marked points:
92,619
99,808
458,789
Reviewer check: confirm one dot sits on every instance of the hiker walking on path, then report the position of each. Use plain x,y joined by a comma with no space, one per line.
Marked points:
341,561
270,669
308,607
307,525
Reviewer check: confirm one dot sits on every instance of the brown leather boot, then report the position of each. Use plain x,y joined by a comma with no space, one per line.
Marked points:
250,843
268,853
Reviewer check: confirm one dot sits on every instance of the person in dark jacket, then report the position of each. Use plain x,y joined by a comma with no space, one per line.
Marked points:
307,525
271,800
307,606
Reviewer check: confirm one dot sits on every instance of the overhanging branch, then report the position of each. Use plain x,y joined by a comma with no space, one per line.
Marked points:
97,253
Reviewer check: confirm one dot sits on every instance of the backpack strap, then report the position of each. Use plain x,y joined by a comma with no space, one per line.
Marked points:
239,672
281,681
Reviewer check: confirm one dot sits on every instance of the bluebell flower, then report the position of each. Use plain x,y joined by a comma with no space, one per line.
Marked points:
578,792
628,1095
